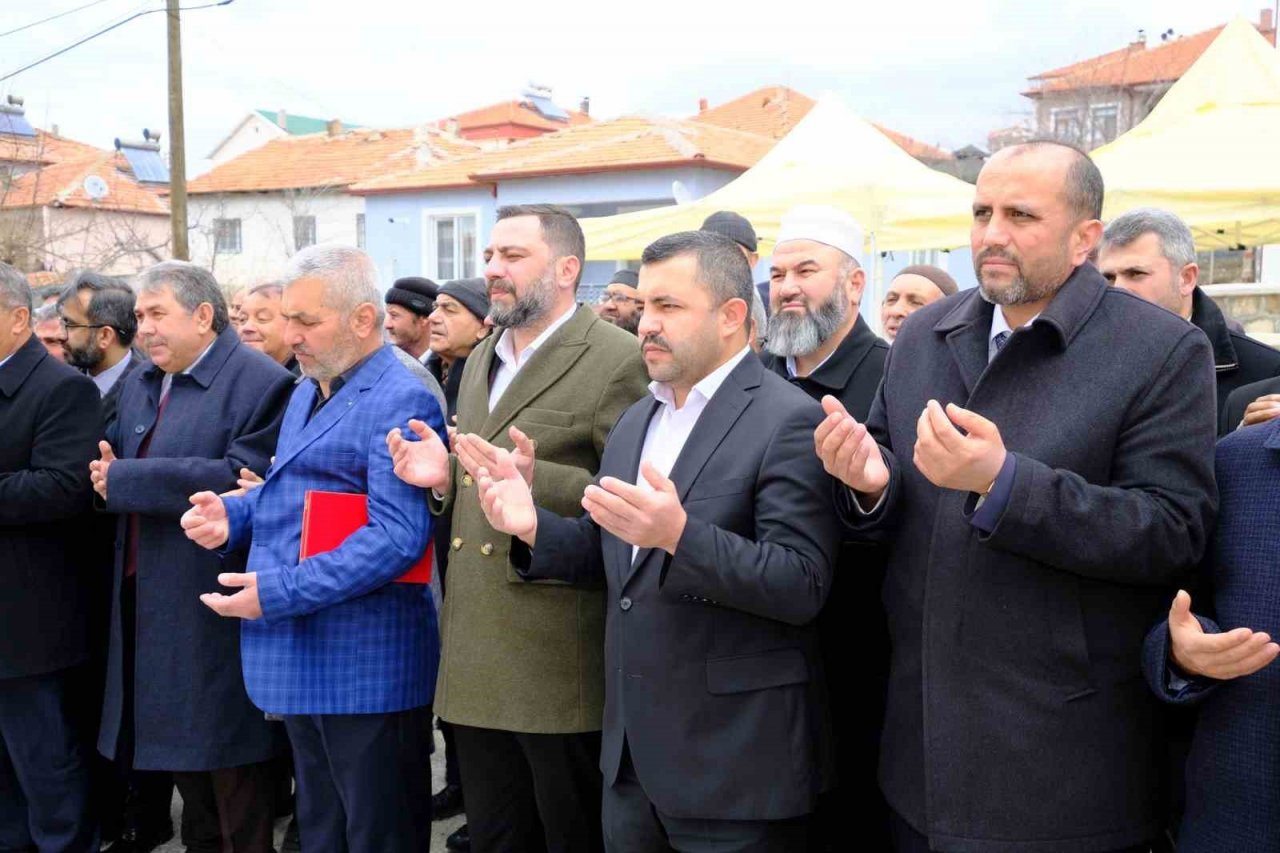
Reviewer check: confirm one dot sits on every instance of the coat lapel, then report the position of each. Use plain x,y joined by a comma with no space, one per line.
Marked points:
721,413
630,434
554,358
308,432
967,329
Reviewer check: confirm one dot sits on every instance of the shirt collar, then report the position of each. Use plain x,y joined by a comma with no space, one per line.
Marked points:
791,364
108,377
505,349
705,388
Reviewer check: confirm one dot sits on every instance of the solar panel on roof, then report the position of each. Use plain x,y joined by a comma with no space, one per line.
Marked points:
547,108
147,165
15,124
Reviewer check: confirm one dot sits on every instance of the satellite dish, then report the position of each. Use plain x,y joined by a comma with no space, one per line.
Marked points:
95,187
680,192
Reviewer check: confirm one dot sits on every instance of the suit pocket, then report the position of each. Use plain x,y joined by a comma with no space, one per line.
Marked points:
718,488
546,417
744,673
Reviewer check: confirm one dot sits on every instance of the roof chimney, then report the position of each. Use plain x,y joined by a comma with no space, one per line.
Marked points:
1267,21
702,105
282,119
1141,40
333,127
584,106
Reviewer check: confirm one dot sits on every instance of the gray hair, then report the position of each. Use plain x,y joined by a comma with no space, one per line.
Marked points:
44,314
14,291
722,268
1176,242
349,274
272,289
192,286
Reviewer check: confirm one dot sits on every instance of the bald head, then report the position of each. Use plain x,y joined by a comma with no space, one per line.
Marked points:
1081,182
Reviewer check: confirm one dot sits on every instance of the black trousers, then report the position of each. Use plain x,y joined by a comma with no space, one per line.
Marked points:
361,785
44,777
229,810
907,840
633,825
531,793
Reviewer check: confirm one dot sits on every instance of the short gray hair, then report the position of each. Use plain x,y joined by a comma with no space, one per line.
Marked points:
272,289
44,314
14,291
349,273
1176,242
192,286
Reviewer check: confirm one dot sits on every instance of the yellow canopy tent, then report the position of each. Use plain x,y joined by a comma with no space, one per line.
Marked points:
1208,151
831,157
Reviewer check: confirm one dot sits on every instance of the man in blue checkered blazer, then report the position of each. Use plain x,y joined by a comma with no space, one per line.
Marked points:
347,656
1221,658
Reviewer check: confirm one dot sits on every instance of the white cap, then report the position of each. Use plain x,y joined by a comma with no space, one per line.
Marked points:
824,224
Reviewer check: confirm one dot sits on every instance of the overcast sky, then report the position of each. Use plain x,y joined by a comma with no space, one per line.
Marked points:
943,71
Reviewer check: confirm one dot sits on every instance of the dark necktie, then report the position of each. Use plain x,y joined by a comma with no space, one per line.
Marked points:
1000,340
131,537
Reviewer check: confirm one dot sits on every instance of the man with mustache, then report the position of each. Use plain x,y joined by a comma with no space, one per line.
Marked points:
914,287
712,527
205,408
1040,457
818,341
619,304
410,301
522,665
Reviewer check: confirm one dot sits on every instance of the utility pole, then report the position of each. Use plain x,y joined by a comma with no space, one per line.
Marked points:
177,139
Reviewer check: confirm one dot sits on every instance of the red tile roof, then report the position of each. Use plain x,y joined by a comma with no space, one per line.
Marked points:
1134,65
774,110
44,148
319,160
62,185
505,119
609,146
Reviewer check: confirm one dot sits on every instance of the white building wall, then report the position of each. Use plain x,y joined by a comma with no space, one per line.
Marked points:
253,132
266,229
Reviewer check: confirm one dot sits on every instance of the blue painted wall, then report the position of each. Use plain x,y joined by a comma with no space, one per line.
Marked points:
394,223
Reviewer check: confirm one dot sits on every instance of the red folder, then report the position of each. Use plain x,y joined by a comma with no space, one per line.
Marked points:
328,518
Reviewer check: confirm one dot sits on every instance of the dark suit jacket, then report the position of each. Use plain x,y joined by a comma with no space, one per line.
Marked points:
48,435
1238,359
1017,717
1233,798
711,658
1239,400
111,400
190,707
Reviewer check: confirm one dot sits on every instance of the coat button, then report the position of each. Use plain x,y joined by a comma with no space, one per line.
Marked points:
140,429
486,549
457,544
466,480
625,603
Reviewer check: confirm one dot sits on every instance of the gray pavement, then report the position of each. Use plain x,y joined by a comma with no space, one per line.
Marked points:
439,830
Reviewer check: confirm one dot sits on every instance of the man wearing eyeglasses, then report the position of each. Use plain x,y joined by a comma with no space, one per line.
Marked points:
98,328
619,304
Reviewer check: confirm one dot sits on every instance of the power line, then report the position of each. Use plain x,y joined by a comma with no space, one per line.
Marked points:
103,32
51,18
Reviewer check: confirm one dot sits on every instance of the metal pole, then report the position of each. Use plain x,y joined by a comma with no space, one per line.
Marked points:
177,138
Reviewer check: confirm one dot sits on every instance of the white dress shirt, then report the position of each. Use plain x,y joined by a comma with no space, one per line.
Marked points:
670,428
511,363
108,377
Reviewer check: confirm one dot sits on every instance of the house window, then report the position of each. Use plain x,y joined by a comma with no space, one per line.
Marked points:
1105,122
304,232
359,230
226,236
1065,124
452,247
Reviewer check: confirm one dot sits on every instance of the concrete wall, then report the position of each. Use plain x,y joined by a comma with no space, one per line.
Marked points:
266,229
